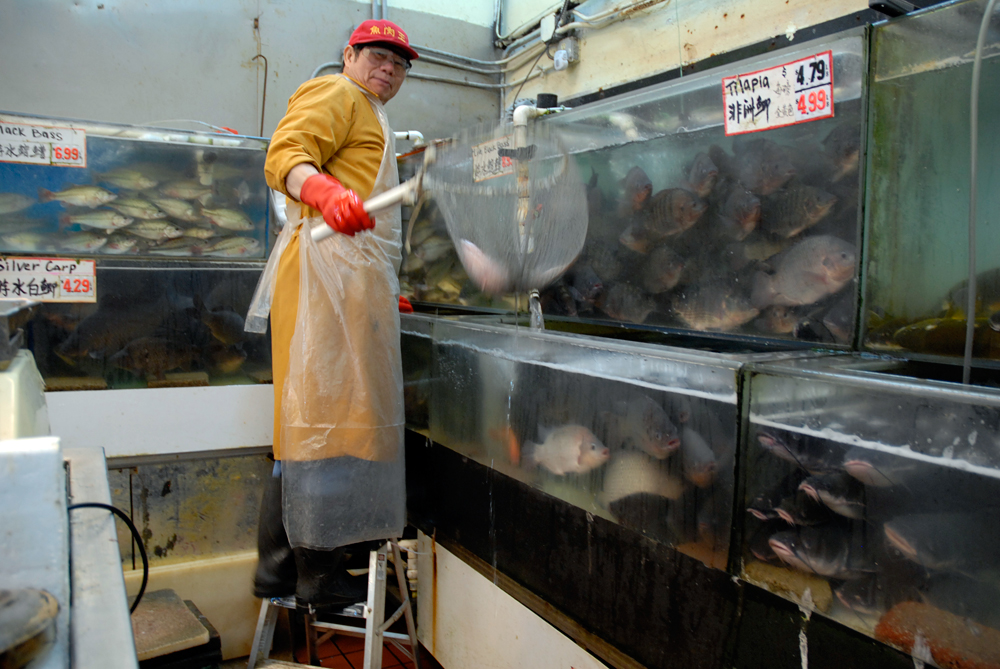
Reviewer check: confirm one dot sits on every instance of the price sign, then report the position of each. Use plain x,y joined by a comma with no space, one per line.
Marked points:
487,161
48,279
792,93
42,145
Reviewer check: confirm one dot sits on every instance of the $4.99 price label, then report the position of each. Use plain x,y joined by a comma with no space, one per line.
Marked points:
42,145
48,279
792,93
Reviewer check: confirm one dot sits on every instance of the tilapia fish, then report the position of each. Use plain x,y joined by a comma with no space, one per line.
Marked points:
11,202
959,542
794,208
225,324
843,146
809,271
833,551
702,175
645,424
569,449
108,330
737,213
636,188
713,306
777,320
662,270
625,302
759,164
585,285
671,212
80,196
153,356
697,458
101,219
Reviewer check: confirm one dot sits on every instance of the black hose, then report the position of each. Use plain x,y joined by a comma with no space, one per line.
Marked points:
135,535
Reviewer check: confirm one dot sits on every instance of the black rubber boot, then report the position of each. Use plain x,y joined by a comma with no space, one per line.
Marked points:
276,572
324,581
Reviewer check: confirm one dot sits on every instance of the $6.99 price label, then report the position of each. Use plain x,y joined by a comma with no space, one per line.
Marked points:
48,279
795,92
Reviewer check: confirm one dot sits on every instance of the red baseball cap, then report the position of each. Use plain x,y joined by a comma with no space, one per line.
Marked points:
383,32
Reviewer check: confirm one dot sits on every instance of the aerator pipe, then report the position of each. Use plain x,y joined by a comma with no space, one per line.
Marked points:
414,136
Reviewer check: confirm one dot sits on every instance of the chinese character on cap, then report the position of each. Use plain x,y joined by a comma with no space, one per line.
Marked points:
385,33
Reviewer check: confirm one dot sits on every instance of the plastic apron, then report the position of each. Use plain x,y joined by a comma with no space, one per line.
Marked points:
343,477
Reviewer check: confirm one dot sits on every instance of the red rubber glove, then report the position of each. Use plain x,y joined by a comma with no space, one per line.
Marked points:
342,208
404,306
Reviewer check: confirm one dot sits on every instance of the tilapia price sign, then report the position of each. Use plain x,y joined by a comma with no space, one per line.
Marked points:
792,93
487,161
48,279
42,145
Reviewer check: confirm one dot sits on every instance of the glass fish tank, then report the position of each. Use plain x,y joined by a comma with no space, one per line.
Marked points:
154,324
871,495
692,229
642,435
80,188
916,290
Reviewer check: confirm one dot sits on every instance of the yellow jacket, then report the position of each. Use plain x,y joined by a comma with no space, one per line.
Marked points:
331,125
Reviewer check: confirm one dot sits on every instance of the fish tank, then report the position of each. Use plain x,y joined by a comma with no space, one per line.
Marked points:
871,496
917,267
81,188
154,324
640,434
754,233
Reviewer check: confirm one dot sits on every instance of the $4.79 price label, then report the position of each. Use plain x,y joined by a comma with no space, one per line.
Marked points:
48,279
792,93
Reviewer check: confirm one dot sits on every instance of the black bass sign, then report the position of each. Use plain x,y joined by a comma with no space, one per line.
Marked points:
42,145
48,279
792,93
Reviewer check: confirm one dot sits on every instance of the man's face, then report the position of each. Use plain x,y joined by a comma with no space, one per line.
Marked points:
369,66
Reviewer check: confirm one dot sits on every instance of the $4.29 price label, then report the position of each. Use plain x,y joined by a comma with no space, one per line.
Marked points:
42,145
48,279
792,93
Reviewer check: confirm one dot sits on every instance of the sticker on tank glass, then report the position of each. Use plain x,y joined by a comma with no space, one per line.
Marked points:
792,93
48,279
42,145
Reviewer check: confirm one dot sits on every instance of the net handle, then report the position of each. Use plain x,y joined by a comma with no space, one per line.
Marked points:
405,193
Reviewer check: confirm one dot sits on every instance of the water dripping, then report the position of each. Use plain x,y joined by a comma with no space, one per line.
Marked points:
536,321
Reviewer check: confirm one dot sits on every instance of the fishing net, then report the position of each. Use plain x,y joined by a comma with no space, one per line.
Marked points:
514,206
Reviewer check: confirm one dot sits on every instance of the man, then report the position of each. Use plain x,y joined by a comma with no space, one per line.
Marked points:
338,481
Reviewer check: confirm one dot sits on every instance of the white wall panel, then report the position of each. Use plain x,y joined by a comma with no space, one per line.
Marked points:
675,33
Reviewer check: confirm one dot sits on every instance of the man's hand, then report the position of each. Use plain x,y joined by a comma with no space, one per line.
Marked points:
342,208
404,306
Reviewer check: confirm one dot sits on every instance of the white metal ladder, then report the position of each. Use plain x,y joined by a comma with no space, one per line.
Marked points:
376,626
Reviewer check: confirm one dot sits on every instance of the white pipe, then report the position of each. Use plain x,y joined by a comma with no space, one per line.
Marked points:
375,10
385,9
414,136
